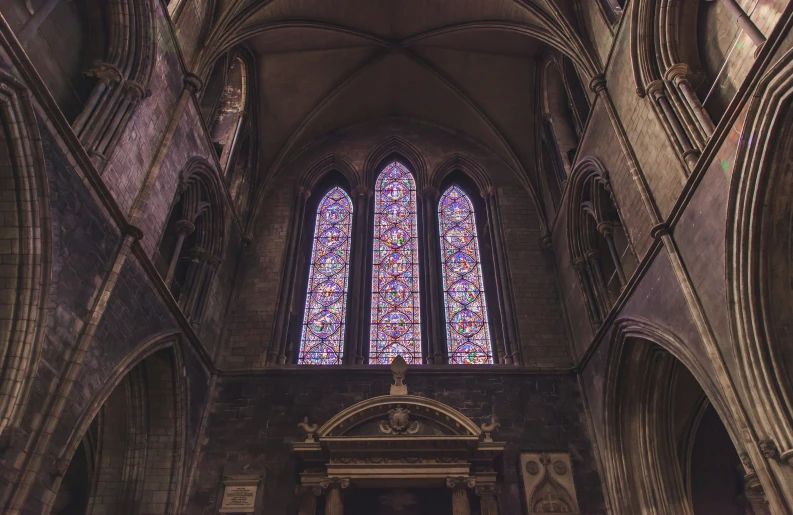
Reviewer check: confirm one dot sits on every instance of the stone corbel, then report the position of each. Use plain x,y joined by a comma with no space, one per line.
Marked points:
134,91
105,72
192,83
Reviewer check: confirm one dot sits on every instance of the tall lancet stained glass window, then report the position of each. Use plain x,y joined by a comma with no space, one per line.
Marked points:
395,328
322,340
467,329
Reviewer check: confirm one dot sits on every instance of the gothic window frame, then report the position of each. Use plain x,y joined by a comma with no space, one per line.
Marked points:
332,171
463,182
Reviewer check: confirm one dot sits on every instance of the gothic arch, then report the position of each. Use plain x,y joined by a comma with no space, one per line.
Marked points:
759,236
465,164
648,431
122,78
326,164
147,448
600,248
192,243
408,154
27,237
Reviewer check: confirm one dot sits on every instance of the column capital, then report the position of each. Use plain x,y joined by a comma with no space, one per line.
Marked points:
655,88
185,227
105,72
429,193
362,191
331,483
487,490
677,73
460,483
488,193
605,228
660,230
304,192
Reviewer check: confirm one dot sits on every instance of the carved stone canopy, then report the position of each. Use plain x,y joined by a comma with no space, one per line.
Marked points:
398,440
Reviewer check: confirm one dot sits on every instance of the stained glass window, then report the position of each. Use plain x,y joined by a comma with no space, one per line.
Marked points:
467,330
322,340
395,328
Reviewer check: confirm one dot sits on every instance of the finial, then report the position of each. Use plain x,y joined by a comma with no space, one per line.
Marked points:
399,368
488,428
308,428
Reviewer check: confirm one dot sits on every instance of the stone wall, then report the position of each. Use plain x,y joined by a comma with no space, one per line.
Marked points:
254,418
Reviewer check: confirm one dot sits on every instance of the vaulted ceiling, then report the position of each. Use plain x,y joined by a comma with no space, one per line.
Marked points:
466,65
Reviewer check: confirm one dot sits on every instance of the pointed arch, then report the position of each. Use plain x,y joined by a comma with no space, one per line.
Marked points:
461,162
325,313
27,239
468,337
598,241
407,153
758,243
395,327
324,165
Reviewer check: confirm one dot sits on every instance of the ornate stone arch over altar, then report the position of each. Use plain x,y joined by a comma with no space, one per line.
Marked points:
398,441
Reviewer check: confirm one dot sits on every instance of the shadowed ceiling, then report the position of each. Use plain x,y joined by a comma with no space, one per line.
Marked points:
466,65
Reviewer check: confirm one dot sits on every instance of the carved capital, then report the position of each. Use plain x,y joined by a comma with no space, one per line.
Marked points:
546,241
247,239
488,193
304,192
605,228
677,73
331,483
487,490
460,483
185,227
59,467
656,89
192,83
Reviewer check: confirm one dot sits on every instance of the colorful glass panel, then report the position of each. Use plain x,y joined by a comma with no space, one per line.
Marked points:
395,328
322,340
467,329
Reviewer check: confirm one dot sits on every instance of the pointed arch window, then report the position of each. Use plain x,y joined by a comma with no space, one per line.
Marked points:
395,318
322,339
467,328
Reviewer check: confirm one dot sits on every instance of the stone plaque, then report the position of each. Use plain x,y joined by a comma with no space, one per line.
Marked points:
239,495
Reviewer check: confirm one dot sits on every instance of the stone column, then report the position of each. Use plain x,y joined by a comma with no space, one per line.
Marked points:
678,75
334,504
657,91
488,500
308,499
184,228
356,336
431,260
277,351
607,230
461,505
511,349
744,22
580,265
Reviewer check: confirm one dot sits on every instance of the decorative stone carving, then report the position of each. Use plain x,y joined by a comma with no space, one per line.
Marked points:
399,368
769,449
399,422
548,483
309,429
488,428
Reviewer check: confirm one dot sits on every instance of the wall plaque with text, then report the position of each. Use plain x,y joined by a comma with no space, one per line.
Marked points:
239,495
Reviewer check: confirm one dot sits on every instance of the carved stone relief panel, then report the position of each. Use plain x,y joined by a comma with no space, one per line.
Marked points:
548,483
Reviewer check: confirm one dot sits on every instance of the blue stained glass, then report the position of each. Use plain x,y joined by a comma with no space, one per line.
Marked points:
322,339
395,328
467,330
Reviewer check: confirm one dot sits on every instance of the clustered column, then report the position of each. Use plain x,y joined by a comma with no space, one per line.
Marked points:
744,22
488,502
357,339
509,349
308,499
607,230
432,292
184,228
278,350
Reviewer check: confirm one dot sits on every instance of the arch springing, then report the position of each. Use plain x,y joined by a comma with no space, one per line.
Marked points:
322,340
395,319
467,328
